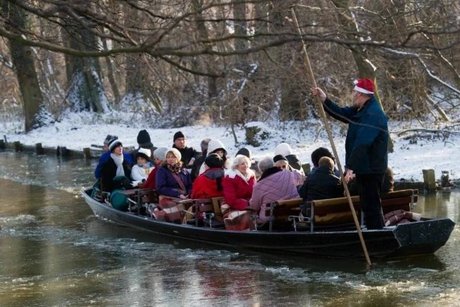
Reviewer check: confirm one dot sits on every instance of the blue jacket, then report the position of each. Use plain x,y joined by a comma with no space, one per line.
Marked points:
168,186
105,157
366,144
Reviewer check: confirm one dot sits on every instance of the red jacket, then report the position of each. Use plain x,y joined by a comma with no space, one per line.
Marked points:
205,185
238,190
150,183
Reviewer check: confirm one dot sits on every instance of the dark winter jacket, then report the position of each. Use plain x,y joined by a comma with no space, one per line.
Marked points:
105,157
197,165
367,137
187,154
108,173
321,184
167,185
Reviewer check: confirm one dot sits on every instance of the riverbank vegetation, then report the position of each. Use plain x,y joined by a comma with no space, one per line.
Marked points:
176,63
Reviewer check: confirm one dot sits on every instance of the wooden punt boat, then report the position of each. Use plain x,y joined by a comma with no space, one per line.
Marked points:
316,239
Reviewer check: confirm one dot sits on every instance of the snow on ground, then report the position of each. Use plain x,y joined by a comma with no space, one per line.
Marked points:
77,131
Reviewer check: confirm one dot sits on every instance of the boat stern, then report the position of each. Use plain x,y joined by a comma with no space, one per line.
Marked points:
423,237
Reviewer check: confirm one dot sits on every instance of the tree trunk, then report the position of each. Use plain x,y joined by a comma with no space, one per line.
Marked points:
291,81
24,67
85,88
365,70
111,75
202,33
134,67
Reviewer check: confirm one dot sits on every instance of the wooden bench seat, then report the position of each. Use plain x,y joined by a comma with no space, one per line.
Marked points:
337,210
333,211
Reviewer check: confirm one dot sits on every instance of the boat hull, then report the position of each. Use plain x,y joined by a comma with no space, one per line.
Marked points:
423,237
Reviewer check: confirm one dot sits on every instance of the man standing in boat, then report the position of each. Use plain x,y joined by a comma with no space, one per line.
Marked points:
366,145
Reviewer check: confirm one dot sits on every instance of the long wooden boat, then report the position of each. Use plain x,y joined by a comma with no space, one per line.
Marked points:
421,237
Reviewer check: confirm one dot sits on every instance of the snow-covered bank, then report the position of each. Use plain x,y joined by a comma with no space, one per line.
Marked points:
77,131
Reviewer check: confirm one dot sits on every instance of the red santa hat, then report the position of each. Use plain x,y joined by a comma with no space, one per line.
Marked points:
365,86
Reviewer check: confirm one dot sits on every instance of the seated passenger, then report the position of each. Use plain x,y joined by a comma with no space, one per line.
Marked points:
143,167
280,162
216,146
285,150
274,184
322,183
238,184
106,155
188,154
159,156
114,168
388,181
143,141
172,179
246,152
209,184
317,154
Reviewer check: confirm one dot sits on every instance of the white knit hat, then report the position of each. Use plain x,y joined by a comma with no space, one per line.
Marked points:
175,152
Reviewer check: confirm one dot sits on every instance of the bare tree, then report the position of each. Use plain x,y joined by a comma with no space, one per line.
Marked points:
191,53
24,66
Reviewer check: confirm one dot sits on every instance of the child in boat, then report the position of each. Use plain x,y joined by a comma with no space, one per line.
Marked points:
142,169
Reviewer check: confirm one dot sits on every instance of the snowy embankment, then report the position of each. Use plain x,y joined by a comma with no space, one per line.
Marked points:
410,156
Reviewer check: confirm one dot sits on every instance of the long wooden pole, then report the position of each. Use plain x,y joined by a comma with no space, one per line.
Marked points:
331,139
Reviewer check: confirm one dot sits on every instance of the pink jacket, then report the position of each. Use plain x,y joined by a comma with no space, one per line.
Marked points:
278,186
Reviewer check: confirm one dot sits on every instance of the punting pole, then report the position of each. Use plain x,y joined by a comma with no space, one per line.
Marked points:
311,76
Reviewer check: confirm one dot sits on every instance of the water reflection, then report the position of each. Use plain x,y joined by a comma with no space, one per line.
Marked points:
54,252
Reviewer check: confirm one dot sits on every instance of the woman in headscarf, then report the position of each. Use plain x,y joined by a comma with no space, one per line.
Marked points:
171,179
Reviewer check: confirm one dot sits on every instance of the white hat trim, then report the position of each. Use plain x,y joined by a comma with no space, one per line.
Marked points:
362,90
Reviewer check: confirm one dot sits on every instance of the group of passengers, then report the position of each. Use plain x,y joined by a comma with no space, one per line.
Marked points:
180,172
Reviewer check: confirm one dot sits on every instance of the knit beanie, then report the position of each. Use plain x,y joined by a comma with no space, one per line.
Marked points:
278,158
175,152
160,153
245,152
144,153
318,153
109,138
114,143
143,139
178,135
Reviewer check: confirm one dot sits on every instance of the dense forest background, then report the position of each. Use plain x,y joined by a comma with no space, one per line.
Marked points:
224,62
